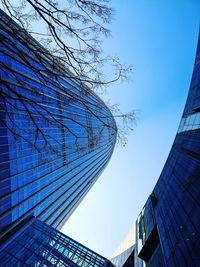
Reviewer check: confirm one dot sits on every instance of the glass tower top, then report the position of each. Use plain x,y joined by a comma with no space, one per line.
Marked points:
57,136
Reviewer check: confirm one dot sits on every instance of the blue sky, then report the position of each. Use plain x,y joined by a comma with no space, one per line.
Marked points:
159,38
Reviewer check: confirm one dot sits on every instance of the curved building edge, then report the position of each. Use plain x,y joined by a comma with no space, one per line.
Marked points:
51,183
167,229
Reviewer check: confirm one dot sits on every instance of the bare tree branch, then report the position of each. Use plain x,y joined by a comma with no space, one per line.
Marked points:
72,34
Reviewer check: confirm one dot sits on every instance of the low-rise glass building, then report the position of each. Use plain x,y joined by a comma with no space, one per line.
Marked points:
37,244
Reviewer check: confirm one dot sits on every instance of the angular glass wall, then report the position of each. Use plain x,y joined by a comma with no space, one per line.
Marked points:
56,136
125,259
124,254
147,239
38,245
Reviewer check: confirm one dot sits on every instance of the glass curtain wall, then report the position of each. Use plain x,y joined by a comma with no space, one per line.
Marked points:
57,136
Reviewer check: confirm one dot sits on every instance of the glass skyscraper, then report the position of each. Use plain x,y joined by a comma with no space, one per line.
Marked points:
168,228
57,136
167,231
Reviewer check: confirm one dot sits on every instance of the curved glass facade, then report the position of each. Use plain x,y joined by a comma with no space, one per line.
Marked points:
56,135
168,228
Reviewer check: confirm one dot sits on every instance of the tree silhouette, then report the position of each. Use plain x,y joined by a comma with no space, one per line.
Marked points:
68,47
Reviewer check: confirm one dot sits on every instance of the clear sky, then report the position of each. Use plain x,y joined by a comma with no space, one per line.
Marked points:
159,38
